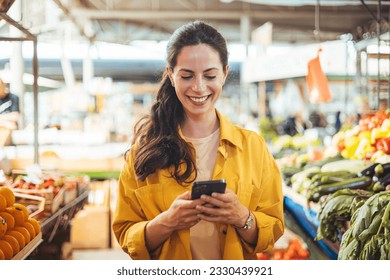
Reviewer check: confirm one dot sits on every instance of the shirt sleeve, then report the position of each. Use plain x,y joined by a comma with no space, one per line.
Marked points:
268,212
129,220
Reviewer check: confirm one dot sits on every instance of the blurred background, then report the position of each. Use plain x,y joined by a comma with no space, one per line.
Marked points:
310,76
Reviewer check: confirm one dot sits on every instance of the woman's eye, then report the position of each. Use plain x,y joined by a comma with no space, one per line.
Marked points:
186,77
210,77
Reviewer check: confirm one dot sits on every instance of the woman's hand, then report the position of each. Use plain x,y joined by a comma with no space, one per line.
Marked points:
223,208
182,213
226,208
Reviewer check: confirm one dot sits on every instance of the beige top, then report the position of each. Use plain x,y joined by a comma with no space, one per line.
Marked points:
204,235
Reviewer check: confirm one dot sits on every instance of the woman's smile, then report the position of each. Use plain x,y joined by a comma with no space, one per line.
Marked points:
199,100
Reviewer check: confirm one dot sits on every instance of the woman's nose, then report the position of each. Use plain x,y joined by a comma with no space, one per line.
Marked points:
199,85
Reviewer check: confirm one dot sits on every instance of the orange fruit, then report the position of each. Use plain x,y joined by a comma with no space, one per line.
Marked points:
23,208
19,237
17,214
3,203
36,225
30,229
2,257
7,249
9,219
8,195
25,233
13,242
3,227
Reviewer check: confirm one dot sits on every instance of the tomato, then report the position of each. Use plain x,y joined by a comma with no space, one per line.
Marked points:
262,256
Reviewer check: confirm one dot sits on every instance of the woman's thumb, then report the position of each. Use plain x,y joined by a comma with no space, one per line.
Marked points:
186,195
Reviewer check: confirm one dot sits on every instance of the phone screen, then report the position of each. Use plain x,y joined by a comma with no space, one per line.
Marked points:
207,187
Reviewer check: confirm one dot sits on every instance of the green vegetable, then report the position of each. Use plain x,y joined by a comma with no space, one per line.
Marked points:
369,171
377,187
378,170
336,174
336,210
368,237
351,183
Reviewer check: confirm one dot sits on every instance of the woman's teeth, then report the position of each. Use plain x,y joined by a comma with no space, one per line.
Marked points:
199,99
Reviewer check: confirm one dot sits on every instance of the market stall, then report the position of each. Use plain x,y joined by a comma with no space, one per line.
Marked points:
48,202
342,202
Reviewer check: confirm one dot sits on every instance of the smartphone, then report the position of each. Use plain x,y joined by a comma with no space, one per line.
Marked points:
207,187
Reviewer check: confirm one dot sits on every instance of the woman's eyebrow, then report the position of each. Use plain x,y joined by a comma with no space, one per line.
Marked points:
207,70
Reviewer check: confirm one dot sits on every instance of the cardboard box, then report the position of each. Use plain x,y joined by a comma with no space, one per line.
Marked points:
90,228
99,193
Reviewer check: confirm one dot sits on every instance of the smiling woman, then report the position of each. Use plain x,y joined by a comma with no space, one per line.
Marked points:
185,139
198,78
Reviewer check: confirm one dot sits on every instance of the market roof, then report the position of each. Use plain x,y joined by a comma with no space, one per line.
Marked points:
293,21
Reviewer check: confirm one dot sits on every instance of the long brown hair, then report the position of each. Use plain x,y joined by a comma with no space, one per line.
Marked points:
159,143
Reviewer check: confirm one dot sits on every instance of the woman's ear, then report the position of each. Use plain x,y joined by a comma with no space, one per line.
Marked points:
225,73
170,75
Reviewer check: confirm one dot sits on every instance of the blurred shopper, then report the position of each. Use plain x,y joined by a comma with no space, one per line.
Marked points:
317,119
9,107
294,125
185,139
9,113
337,123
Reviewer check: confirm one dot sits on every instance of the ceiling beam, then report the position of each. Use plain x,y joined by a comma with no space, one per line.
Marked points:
67,13
228,15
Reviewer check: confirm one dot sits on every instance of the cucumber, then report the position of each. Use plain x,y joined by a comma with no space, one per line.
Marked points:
351,165
352,183
333,179
339,173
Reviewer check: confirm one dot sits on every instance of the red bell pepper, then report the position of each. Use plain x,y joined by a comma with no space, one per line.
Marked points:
383,144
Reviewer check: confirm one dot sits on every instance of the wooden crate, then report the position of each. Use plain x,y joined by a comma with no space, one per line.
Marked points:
27,199
52,203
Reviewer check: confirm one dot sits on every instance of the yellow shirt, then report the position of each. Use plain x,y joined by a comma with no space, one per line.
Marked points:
245,162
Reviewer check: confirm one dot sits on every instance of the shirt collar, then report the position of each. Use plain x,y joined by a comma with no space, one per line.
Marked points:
229,132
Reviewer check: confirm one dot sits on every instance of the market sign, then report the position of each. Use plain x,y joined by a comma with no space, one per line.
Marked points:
293,63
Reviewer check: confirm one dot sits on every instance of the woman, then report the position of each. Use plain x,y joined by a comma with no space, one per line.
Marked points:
186,139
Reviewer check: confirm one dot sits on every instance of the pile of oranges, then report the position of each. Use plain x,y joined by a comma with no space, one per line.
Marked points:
17,228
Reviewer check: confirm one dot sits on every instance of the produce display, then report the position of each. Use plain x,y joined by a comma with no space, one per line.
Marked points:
369,140
17,228
296,142
367,237
294,251
289,247
337,210
30,197
56,189
350,189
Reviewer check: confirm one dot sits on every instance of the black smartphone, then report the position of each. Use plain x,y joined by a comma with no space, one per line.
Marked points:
207,187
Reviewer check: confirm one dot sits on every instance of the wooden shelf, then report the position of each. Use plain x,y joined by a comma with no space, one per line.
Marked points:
29,248
300,199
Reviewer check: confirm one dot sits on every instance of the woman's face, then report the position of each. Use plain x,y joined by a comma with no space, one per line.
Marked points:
198,78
